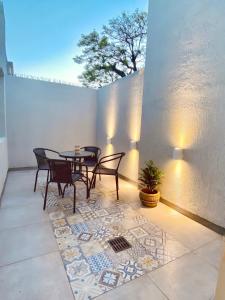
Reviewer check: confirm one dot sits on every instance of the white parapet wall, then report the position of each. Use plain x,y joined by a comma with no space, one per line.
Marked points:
119,120
3,131
49,115
3,162
183,103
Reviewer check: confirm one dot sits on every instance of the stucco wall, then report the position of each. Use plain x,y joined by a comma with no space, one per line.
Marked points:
3,133
3,162
183,104
44,114
119,118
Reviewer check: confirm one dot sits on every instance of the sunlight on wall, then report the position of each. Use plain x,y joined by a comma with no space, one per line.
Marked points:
112,111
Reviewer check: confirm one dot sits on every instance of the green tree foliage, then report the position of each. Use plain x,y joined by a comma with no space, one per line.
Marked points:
117,51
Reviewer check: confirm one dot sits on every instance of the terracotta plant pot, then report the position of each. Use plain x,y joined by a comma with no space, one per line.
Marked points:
150,200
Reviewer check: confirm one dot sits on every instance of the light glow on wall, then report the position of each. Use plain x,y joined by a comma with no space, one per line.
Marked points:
185,127
135,111
133,162
178,180
112,111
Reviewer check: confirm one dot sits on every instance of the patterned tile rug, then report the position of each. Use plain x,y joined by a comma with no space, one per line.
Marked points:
92,266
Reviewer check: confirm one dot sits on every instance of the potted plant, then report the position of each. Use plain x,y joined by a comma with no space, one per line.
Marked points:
149,178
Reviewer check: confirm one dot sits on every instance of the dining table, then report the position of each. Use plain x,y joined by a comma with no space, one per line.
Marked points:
76,157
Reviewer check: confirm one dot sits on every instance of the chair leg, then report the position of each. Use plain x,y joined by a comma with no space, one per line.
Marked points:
87,190
59,189
74,199
36,177
117,187
92,181
46,193
47,177
87,187
63,191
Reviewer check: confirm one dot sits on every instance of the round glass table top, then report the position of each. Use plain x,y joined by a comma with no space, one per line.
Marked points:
73,154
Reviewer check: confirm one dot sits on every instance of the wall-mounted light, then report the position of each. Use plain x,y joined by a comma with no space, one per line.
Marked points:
133,144
178,153
109,140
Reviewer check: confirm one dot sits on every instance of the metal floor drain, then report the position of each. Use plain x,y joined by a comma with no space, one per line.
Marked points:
119,244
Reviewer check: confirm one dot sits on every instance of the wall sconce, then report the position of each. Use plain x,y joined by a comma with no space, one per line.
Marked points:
133,144
178,153
109,140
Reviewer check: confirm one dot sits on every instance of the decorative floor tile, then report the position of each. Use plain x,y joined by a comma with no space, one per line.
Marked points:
85,236
74,219
67,204
113,210
56,215
63,231
92,267
99,262
130,270
109,278
84,209
101,212
79,228
148,262
137,250
117,258
89,215
59,223
71,254
77,269
67,242
101,233
139,232
91,248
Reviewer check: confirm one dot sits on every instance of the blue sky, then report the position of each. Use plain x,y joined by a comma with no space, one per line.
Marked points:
41,35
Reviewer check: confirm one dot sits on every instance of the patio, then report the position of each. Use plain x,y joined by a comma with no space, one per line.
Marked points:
171,112
189,262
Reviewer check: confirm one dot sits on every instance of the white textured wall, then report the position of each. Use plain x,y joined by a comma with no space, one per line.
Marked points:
3,162
3,139
184,103
119,117
44,114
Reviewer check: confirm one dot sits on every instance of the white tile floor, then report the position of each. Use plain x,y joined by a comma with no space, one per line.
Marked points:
31,267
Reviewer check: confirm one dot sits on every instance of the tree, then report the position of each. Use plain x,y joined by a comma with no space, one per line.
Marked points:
117,51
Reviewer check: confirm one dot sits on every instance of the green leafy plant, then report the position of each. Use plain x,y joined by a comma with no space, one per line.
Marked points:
150,177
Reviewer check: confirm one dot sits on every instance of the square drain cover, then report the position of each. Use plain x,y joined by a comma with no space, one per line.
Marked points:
119,244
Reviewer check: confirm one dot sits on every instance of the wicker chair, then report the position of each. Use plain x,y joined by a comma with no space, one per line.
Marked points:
101,169
61,172
42,161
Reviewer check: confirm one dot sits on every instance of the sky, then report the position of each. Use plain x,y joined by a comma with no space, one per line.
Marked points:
42,35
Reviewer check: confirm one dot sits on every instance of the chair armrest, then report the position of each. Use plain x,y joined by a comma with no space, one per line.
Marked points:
50,150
